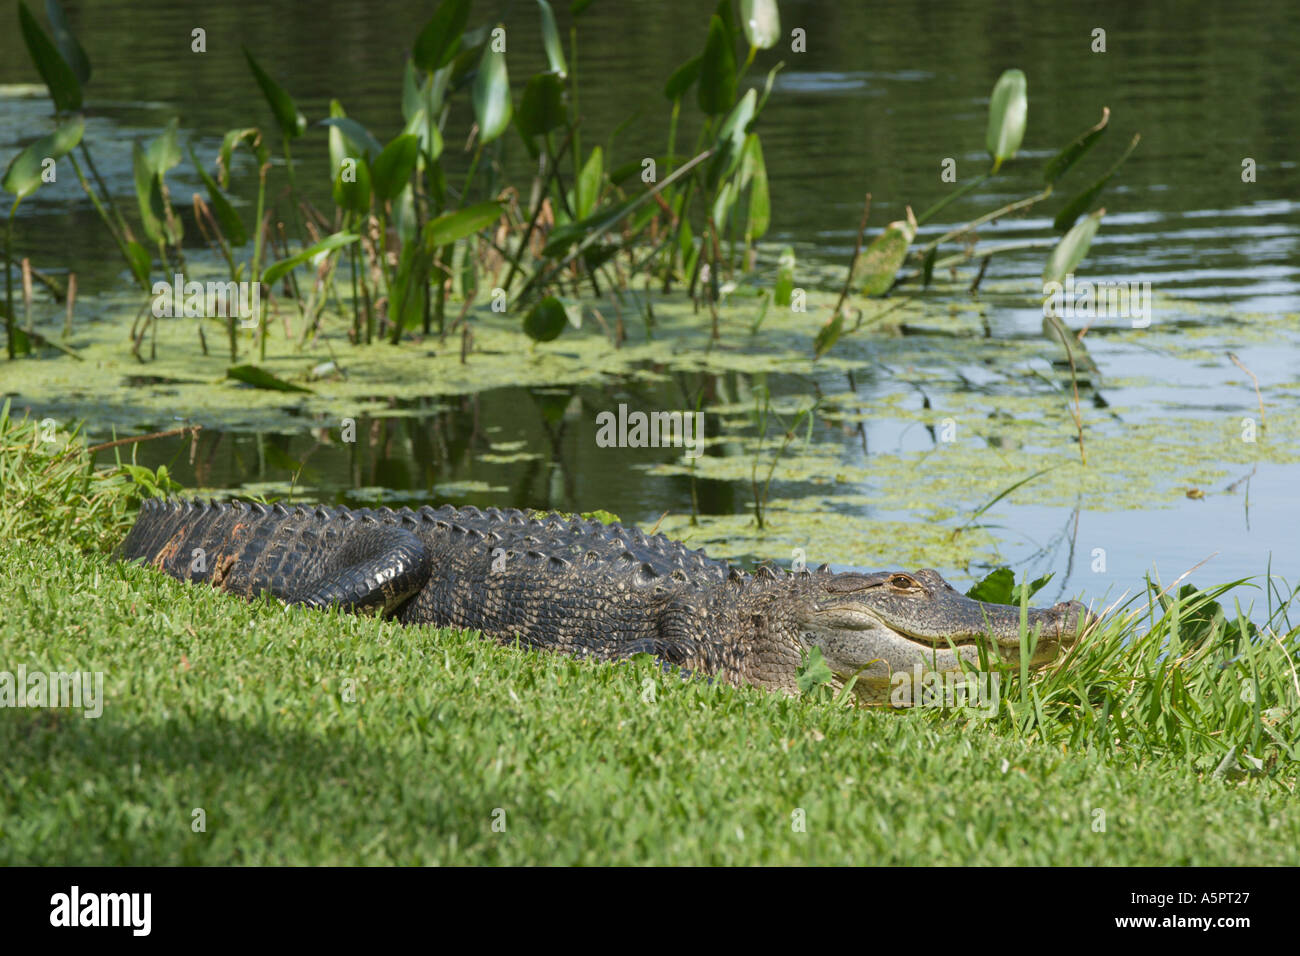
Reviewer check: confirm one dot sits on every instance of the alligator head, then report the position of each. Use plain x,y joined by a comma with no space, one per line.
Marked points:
878,624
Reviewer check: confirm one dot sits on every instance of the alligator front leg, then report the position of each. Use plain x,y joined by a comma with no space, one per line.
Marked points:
374,568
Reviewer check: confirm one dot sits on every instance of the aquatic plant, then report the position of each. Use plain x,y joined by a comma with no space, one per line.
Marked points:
412,238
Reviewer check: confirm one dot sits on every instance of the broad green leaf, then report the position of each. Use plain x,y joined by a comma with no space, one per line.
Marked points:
229,220
465,63
726,198
828,335
412,98
59,77
1075,350
541,108
589,183
717,89
995,588
730,144
283,267
67,43
427,133
392,170
23,175
491,95
760,203
1076,206
880,263
352,194
148,194
1035,586
927,267
1069,252
545,320
404,218
1008,114
253,136
455,226
575,8
291,122
551,40
683,78
813,672
1060,164
353,139
164,153
761,22
784,287
139,261
767,87
260,378
440,39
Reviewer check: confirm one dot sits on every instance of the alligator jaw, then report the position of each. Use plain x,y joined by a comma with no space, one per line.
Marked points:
874,625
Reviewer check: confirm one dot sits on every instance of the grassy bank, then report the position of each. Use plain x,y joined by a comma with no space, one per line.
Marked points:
248,733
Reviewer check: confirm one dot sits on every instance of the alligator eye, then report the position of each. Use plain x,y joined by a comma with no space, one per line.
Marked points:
903,583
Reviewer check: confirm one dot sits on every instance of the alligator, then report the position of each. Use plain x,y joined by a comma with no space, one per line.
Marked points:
606,591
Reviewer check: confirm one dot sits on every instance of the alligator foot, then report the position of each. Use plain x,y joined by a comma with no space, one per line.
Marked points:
376,570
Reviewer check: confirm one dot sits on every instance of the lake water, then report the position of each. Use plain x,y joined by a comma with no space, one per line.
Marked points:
883,95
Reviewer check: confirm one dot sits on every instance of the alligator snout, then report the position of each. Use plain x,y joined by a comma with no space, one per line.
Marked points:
1074,617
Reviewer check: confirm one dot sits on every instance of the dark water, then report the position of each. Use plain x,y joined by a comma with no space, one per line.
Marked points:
884,94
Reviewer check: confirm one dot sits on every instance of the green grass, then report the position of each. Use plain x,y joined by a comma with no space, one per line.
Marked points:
307,737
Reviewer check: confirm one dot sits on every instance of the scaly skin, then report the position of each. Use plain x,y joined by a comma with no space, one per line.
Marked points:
583,588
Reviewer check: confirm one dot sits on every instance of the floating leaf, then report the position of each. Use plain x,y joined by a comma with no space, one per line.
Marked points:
59,77
1008,114
491,95
441,37
545,320
291,122
283,267
260,378
23,175
717,90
